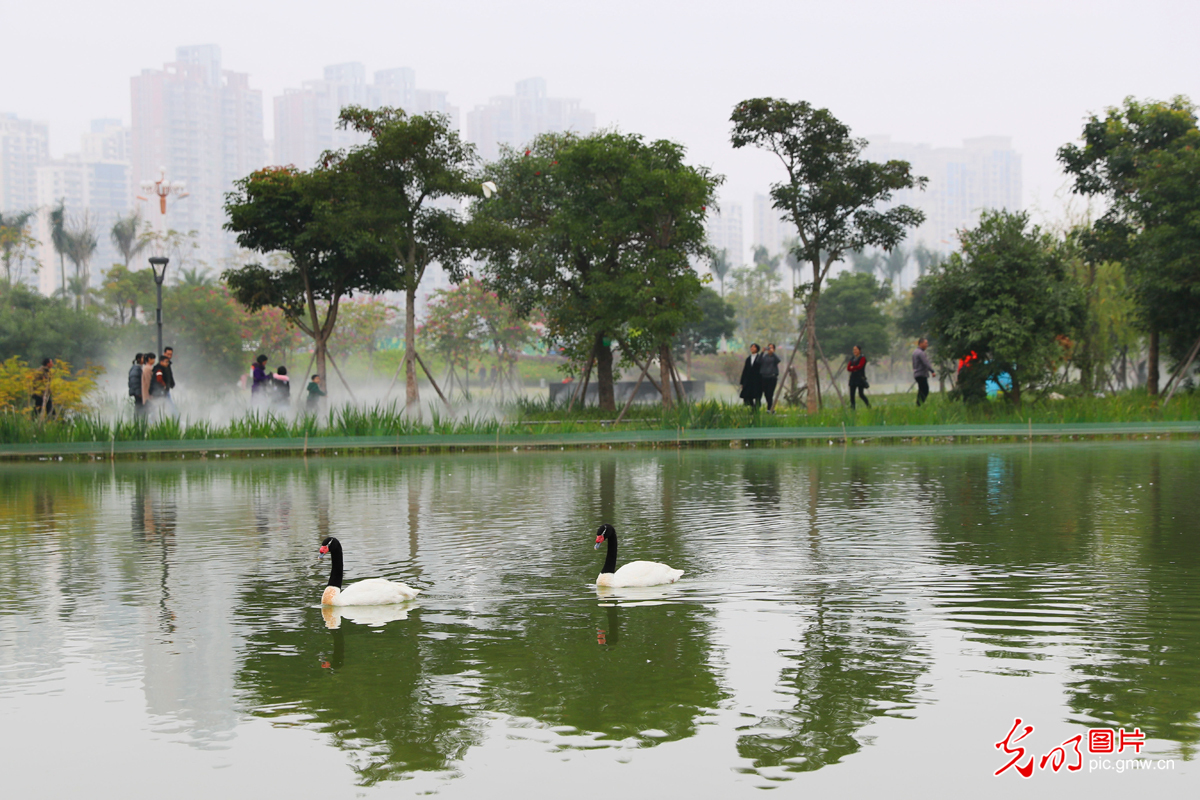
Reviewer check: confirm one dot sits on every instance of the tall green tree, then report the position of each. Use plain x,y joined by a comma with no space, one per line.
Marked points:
124,290
413,173
719,265
34,327
15,242
58,238
81,244
831,193
702,333
1141,158
851,313
1167,201
317,219
1008,298
127,236
764,312
598,233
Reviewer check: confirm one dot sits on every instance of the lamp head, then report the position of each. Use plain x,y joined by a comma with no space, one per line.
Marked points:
159,265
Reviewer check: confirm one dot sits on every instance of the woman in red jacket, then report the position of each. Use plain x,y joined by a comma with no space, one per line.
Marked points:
858,376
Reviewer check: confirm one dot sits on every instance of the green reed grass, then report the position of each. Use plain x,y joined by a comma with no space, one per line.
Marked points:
541,417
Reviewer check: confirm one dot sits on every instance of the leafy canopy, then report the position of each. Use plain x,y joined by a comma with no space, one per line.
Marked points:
598,232
1143,158
851,314
1007,297
315,219
831,192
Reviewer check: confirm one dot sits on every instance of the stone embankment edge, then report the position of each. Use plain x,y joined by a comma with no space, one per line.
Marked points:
680,437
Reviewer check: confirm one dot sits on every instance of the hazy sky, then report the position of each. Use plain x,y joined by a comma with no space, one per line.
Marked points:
922,71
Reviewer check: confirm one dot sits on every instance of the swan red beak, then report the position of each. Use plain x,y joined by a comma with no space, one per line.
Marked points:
322,551
599,541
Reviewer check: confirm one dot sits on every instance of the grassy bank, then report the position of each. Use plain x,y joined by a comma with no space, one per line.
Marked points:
527,418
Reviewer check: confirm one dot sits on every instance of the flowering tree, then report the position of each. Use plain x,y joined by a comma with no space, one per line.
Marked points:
467,321
359,327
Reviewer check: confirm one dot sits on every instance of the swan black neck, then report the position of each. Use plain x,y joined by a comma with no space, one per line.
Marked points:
335,555
610,562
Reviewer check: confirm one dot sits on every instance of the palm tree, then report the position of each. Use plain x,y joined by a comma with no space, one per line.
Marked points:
81,246
893,264
718,265
926,259
13,239
194,276
864,262
58,238
125,236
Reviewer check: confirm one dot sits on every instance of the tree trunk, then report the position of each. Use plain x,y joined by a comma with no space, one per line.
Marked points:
604,374
319,357
810,356
664,375
411,397
1152,365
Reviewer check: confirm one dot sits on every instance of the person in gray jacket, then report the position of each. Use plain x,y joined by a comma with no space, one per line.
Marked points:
922,369
768,371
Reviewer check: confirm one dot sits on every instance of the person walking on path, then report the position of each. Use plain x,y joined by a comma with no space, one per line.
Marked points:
858,376
148,362
315,393
751,381
159,393
164,379
262,378
922,369
281,389
135,384
169,371
43,401
768,373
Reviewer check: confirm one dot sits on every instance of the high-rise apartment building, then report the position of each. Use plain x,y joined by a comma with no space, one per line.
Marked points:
204,125
24,146
95,187
725,232
985,173
306,118
516,119
770,229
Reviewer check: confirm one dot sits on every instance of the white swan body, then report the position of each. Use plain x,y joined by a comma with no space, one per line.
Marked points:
370,592
635,573
639,573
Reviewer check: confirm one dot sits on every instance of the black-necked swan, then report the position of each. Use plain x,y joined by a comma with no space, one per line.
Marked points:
635,573
371,592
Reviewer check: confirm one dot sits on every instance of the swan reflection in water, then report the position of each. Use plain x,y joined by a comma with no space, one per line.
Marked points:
371,616
638,595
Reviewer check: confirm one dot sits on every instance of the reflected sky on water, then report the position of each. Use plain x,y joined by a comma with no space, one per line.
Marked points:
847,616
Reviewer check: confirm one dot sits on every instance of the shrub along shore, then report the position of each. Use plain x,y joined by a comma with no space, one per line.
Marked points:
535,425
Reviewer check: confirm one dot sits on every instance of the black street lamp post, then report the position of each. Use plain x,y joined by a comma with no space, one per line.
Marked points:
159,265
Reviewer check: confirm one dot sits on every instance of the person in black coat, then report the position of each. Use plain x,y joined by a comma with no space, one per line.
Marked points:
751,380
135,384
768,371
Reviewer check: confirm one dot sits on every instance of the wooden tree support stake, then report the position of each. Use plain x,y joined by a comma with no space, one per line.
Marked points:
432,382
633,394
333,361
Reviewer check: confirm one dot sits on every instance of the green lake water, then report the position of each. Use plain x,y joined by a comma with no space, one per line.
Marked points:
852,622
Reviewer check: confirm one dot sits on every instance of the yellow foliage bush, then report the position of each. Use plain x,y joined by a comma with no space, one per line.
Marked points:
69,391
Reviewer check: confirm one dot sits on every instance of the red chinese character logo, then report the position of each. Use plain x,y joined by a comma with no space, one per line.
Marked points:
1101,740
1026,770
1058,756
1134,739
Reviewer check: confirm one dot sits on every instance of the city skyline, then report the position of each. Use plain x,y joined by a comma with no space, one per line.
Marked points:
923,71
